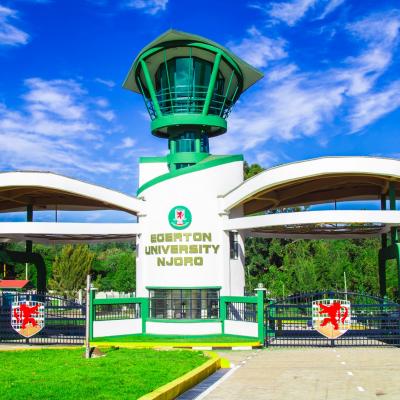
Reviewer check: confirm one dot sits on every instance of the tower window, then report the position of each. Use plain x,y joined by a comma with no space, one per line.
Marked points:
185,142
182,84
234,245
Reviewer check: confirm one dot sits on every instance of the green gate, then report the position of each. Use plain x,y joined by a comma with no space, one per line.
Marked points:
374,321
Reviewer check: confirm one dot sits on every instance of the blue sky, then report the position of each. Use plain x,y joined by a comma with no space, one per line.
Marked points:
331,84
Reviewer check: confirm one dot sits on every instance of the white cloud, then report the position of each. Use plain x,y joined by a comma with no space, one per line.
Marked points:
56,97
151,7
278,74
108,115
127,143
106,82
289,12
330,7
294,107
258,50
9,34
381,28
298,105
381,33
372,106
266,158
290,104
53,130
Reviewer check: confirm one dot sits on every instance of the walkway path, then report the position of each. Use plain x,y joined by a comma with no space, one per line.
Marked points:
312,374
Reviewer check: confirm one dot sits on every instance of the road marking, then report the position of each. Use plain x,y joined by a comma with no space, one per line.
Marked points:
338,355
360,389
349,373
343,362
214,386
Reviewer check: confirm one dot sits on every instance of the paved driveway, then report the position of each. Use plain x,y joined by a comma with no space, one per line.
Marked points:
312,374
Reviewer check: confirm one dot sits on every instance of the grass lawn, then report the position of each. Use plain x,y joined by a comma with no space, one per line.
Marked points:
177,339
63,374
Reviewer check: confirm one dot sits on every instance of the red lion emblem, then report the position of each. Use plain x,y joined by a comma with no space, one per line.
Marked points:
24,314
335,314
180,215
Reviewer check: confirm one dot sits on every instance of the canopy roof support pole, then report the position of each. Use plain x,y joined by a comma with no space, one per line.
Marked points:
382,261
32,258
391,252
29,218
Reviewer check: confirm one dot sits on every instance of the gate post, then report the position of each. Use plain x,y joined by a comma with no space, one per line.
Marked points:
260,313
144,312
222,313
90,300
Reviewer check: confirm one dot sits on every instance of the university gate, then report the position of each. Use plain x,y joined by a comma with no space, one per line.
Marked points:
365,320
40,319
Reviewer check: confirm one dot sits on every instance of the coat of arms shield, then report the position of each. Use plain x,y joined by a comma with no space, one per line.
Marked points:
331,317
27,317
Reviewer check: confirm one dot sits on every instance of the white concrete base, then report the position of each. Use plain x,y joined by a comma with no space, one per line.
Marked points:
241,328
117,327
184,328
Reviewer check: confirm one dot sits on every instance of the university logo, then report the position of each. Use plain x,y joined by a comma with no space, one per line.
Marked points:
331,317
27,317
180,217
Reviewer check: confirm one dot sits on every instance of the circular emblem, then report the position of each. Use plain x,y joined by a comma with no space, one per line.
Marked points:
180,217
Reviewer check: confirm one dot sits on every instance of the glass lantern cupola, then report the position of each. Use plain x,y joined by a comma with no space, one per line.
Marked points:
189,85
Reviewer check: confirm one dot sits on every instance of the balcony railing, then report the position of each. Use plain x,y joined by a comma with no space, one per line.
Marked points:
186,99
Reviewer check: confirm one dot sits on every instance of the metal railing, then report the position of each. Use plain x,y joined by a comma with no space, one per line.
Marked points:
246,312
107,312
189,100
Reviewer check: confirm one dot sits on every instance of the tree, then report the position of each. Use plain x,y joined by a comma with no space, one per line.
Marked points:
115,269
70,269
251,170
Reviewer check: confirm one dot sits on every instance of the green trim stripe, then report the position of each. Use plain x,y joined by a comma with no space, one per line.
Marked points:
260,315
91,312
145,160
213,162
181,287
200,120
239,299
188,321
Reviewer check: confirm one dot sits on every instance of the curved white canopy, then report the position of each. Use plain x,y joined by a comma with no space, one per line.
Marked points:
315,181
65,232
322,224
48,191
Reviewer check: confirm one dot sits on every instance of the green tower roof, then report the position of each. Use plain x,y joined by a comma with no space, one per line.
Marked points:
250,74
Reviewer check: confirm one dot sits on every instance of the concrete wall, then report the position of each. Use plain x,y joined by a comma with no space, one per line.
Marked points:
241,328
117,327
182,328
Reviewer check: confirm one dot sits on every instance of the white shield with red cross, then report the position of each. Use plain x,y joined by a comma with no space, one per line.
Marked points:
331,317
27,317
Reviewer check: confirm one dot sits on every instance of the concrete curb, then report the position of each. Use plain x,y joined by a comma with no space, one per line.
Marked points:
180,385
6,347
189,346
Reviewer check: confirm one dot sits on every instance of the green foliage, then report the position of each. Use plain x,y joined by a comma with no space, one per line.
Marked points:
115,269
251,170
287,267
70,269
